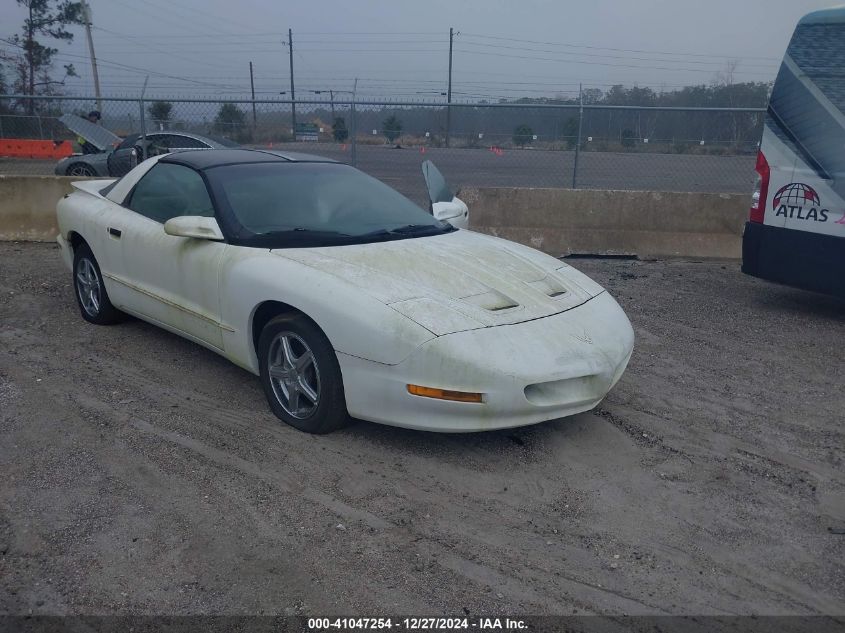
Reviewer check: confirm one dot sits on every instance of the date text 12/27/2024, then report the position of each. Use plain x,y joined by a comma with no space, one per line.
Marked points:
416,624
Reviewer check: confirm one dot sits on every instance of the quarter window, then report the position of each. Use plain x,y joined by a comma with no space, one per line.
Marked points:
168,191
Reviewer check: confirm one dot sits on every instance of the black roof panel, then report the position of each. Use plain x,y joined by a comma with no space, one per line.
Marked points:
206,158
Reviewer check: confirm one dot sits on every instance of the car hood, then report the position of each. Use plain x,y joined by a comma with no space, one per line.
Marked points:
95,134
457,281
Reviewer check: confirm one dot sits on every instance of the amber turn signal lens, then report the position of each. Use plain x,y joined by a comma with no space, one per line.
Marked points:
444,394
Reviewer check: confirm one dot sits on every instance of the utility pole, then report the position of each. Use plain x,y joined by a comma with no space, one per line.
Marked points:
578,142
449,92
30,60
331,98
86,10
252,88
292,93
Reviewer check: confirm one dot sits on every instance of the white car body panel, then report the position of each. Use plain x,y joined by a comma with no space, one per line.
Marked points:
529,372
459,311
455,212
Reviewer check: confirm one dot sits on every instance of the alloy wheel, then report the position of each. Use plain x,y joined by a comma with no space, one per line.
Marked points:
294,375
88,287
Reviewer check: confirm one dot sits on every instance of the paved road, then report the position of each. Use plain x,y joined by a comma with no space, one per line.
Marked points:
144,474
521,168
538,168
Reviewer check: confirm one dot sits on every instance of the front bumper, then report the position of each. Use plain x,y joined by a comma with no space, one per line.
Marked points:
528,372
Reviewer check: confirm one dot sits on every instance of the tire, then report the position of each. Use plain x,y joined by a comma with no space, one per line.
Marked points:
91,295
291,378
81,170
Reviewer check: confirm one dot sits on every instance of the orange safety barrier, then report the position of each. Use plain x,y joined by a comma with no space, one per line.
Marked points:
26,148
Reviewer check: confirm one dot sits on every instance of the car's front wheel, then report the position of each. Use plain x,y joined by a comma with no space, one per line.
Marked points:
91,295
81,170
301,376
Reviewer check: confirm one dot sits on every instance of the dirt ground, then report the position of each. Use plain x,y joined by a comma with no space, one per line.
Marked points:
144,474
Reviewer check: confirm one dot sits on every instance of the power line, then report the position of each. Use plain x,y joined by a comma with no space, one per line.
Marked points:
192,17
573,61
157,50
605,48
598,55
370,32
140,70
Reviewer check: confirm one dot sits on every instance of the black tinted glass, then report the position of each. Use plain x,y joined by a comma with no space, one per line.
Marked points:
275,197
178,141
168,191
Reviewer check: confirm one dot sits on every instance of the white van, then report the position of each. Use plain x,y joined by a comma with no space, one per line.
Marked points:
796,230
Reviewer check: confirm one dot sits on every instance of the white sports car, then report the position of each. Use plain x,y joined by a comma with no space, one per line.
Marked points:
343,296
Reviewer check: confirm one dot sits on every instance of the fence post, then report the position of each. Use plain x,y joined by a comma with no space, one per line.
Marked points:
143,121
354,126
578,143
40,129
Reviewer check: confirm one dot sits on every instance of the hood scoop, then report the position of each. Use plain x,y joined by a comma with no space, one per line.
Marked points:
548,286
491,300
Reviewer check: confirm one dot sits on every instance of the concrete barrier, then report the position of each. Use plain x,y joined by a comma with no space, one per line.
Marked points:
28,206
557,221
642,223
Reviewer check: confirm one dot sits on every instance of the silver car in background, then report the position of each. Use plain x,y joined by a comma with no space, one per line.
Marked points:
118,156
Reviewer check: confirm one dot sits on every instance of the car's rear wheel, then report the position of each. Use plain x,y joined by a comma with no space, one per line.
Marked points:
90,291
301,376
81,170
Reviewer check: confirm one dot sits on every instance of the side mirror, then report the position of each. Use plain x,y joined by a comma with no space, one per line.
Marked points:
438,190
454,212
197,226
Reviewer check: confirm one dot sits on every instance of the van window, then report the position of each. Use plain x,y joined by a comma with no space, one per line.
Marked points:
808,100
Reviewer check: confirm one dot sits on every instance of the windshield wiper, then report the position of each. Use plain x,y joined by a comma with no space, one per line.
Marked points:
407,229
301,237
301,231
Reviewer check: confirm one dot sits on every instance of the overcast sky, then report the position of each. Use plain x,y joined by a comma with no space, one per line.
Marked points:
503,49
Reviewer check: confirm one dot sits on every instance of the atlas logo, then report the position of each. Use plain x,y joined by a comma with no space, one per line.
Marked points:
799,201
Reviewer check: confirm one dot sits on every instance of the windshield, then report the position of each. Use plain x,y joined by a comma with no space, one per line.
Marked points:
306,204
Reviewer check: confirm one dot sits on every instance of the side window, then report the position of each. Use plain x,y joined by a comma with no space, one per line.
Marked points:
168,191
177,141
155,143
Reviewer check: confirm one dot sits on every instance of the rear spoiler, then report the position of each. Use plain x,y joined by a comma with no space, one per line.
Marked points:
94,187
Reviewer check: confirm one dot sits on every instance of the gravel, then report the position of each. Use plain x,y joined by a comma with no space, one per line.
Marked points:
142,474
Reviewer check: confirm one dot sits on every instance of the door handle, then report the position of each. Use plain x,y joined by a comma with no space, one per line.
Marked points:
115,232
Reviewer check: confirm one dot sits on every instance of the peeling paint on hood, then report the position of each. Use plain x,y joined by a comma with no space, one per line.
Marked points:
457,281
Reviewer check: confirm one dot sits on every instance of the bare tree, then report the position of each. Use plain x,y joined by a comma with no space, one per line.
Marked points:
46,19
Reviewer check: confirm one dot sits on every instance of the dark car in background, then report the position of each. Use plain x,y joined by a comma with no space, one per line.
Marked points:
131,150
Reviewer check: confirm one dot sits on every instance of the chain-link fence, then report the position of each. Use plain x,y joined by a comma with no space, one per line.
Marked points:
478,144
